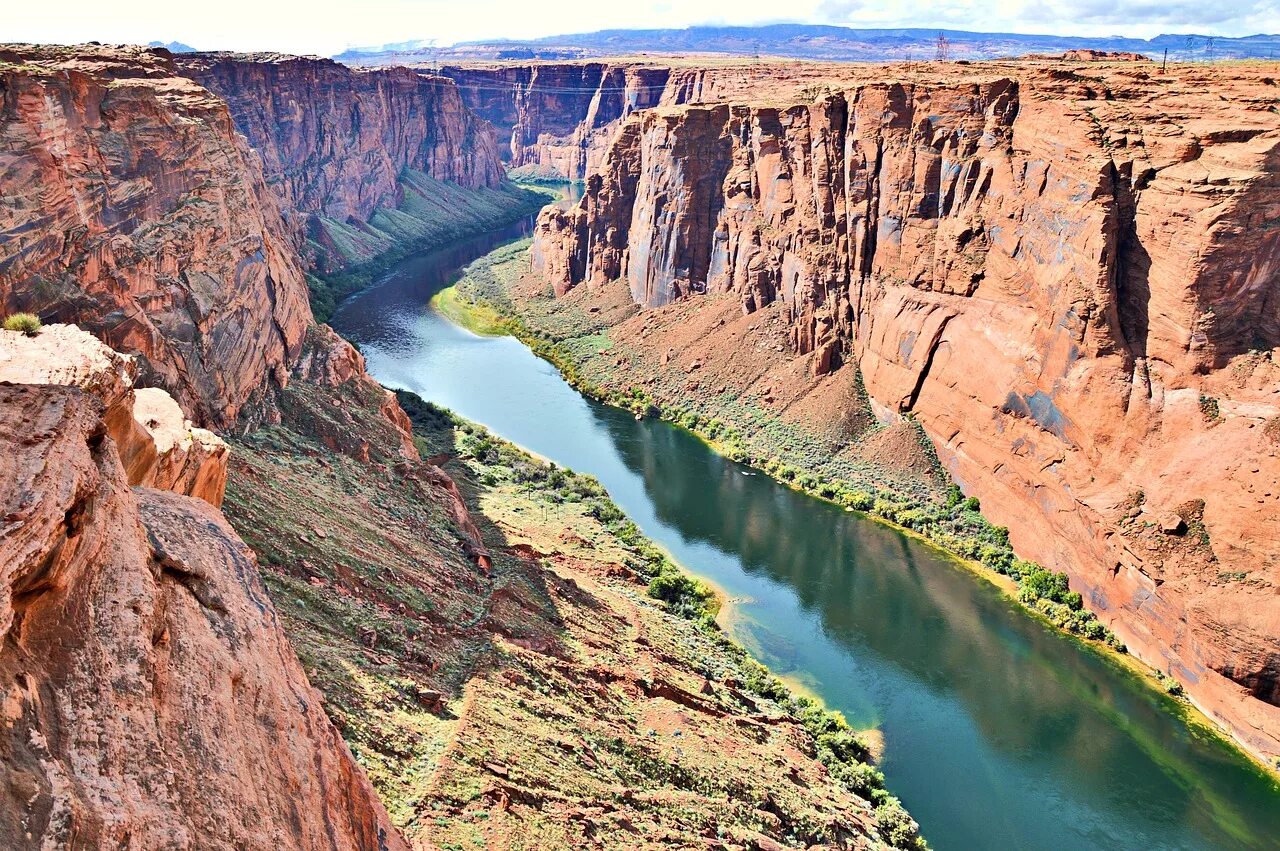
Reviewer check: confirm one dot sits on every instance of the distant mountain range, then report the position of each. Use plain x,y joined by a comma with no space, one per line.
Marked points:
173,46
803,41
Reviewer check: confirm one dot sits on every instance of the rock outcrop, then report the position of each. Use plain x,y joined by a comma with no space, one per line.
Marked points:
150,697
132,208
1069,278
158,447
334,141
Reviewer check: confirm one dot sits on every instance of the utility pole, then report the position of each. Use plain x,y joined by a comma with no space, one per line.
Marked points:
1165,64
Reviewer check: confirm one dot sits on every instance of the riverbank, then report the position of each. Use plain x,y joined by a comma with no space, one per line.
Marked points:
432,214
496,296
510,660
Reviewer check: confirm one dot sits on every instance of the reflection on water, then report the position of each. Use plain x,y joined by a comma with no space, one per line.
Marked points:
999,732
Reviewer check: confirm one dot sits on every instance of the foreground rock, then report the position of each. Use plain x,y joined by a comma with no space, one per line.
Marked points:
150,697
131,207
157,445
1068,279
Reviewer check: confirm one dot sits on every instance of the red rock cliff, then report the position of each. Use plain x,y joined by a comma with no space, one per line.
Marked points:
1072,282
334,140
150,697
556,119
132,208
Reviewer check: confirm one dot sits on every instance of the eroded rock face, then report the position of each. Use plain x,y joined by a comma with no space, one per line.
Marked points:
132,208
157,445
1070,280
151,699
334,140
556,119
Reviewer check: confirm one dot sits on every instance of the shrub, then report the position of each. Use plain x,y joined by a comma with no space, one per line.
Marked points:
684,595
24,323
857,500
897,828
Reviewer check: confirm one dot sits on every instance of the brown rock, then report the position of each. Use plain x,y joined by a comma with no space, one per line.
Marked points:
189,460
152,700
158,447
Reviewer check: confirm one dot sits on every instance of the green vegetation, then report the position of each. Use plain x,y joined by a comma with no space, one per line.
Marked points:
25,323
432,213
482,302
1209,408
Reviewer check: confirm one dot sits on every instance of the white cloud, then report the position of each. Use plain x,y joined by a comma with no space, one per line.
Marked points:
328,26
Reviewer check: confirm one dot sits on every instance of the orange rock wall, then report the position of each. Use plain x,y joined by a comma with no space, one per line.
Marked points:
334,140
1049,269
151,698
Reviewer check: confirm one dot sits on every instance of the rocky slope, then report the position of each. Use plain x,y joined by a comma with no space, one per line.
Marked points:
151,697
1067,275
132,208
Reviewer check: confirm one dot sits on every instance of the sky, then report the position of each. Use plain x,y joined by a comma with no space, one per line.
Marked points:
326,27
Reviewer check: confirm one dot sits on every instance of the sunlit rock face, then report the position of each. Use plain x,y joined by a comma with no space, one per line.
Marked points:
1071,278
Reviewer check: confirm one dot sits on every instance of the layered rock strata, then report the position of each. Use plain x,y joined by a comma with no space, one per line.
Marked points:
1068,277
132,208
334,141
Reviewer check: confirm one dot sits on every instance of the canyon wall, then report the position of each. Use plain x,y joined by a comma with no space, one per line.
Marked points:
151,698
558,119
132,208
334,141
1070,278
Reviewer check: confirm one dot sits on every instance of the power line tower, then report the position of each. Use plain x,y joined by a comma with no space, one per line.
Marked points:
944,48
1208,48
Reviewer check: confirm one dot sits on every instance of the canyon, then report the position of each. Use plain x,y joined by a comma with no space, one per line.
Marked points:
211,509
252,598
1064,272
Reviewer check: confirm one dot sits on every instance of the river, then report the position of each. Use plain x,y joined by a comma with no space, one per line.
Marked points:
999,732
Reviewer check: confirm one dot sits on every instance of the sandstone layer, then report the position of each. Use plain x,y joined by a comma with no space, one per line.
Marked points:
334,141
132,208
150,697
1068,276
